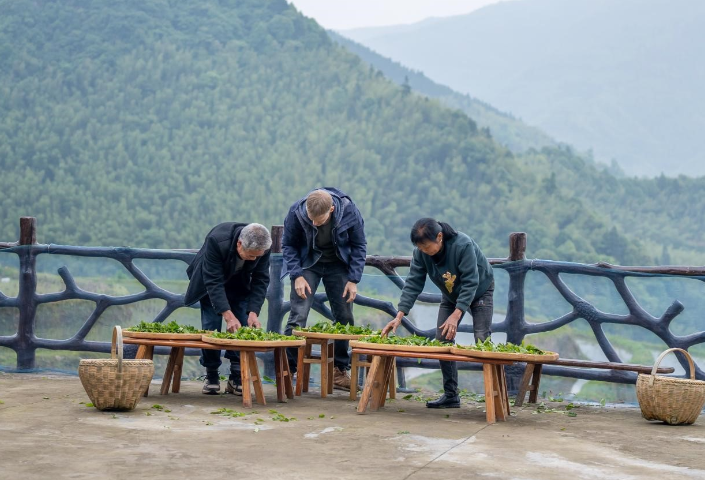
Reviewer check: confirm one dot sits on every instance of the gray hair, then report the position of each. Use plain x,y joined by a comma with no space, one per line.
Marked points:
255,237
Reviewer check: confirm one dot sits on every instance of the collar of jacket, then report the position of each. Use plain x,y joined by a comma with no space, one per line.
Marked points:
236,236
339,203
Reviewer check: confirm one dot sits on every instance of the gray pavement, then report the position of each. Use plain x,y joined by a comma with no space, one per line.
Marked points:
46,431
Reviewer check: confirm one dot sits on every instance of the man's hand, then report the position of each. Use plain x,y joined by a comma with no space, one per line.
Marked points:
392,326
253,321
231,321
350,291
301,286
450,327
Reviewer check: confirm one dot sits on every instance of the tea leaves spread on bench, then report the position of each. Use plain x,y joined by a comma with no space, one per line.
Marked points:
488,346
249,333
171,327
339,329
413,340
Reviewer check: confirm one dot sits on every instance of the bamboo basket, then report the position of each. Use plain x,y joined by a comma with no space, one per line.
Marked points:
676,401
114,383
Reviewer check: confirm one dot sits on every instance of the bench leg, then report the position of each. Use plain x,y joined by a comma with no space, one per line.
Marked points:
307,366
279,374
145,352
169,372
393,381
369,381
505,392
288,383
325,373
300,371
499,393
353,376
388,380
525,384
379,383
256,378
245,380
331,356
488,377
178,369
535,382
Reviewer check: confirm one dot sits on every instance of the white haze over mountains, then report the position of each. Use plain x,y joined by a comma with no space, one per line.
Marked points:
622,78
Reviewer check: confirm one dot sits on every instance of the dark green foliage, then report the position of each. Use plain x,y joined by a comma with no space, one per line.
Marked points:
146,123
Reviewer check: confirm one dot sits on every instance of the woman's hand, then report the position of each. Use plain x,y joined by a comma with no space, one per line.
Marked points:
450,327
392,326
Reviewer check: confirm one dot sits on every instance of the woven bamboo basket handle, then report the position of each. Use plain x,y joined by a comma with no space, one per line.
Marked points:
660,357
116,348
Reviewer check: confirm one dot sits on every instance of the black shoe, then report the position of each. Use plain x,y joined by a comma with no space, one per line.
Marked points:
211,385
445,402
234,385
233,388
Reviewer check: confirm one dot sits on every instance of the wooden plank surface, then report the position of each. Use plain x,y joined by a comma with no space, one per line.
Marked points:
192,344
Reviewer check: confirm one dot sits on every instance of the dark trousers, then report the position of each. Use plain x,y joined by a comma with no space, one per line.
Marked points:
210,320
481,309
335,277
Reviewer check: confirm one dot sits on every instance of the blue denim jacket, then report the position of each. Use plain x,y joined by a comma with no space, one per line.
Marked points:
299,242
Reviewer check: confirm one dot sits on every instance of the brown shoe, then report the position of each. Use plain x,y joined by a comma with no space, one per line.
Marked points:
341,379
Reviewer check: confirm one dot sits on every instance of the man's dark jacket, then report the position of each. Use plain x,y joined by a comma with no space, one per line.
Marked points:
299,242
214,266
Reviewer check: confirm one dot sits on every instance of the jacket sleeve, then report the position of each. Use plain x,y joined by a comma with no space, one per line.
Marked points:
258,285
214,277
414,284
470,278
294,235
358,250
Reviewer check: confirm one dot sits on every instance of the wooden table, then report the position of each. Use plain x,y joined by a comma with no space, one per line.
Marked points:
249,370
374,392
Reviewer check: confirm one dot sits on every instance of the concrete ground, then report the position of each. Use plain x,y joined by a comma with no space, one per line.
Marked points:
46,431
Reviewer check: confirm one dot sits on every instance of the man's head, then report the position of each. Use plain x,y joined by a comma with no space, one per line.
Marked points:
319,207
254,240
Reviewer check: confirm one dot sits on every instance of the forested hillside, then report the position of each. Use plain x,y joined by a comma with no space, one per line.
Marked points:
145,123
507,130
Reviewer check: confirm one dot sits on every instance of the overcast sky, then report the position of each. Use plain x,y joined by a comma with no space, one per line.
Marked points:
346,14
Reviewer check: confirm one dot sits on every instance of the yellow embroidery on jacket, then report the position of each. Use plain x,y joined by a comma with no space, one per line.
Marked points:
449,281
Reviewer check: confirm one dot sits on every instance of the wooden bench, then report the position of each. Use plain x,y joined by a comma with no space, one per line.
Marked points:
357,364
249,371
532,374
375,392
325,360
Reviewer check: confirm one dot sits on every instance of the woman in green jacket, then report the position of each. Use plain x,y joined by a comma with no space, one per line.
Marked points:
458,267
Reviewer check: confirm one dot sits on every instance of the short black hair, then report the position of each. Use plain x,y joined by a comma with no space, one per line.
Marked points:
427,229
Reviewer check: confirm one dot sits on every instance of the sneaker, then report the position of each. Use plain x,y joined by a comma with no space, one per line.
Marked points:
234,387
341,379
211,385
445,402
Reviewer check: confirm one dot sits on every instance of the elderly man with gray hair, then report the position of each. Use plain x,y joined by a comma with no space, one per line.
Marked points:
229,277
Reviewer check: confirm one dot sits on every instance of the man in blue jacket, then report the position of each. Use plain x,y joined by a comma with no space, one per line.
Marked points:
324,240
